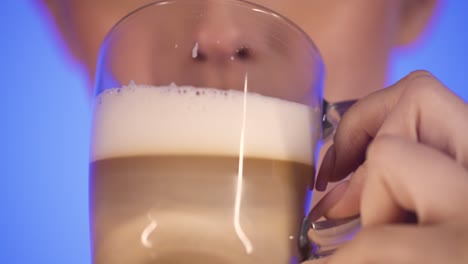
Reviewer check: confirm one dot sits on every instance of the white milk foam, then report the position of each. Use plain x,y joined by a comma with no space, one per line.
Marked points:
139,120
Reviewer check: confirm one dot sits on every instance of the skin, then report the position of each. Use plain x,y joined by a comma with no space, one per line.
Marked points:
355,37
402,152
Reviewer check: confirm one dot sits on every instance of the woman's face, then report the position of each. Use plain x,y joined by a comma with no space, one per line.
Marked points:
355,37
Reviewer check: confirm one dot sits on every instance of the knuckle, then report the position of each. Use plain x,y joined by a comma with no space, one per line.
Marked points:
422,91
418,74
382,154
421,86
381,146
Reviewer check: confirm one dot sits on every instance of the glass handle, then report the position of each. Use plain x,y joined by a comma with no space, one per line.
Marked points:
321,238
329,235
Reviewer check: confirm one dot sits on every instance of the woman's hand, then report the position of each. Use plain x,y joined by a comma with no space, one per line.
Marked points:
408,148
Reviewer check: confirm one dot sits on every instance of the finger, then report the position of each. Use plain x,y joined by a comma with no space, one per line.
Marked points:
346,202
344,199
316,261
401,244
426,112
431,114
327,165
405,176
335,195
360,125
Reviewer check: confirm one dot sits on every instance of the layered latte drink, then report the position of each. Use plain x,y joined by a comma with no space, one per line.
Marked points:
195,175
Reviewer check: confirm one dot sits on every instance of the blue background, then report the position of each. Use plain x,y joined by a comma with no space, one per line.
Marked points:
44,117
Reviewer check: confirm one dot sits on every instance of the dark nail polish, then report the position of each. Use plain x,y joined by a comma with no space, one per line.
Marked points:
326,169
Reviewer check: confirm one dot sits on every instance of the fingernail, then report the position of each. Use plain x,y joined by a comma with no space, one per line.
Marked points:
326,169
328,201
346,204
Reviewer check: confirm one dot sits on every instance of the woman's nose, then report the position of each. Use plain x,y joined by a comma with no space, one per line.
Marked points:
219,38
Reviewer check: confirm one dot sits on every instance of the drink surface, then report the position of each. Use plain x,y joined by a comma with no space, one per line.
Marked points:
143,120
166,183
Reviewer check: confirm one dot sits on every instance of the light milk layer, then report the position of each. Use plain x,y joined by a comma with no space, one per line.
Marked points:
139,120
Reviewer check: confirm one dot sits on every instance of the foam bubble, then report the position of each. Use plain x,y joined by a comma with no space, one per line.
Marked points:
144,120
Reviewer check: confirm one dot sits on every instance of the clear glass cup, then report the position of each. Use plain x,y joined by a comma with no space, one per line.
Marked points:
207,117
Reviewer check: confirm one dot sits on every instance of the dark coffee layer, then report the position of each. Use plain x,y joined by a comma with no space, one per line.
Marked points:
152,209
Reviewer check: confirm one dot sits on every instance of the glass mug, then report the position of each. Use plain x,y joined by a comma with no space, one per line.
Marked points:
206,121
